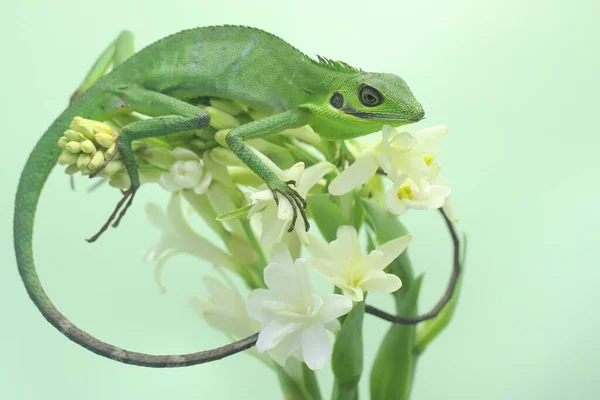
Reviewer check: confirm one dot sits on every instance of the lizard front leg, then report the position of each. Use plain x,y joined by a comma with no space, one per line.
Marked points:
235,140
173,116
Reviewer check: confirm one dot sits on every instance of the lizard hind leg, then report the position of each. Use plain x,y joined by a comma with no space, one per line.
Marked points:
115,54
172,116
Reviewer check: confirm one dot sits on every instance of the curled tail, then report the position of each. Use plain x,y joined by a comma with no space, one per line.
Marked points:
40,163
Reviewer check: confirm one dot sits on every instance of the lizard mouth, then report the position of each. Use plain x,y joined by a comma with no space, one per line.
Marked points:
378,116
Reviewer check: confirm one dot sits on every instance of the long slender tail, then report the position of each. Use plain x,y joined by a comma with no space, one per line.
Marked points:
39,165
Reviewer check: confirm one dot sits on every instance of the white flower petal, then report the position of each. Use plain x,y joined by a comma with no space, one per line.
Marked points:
318,248
312,175
334,306
289,345
388,252
204,184
168,183
157,217
284,209
263,195
316,346
355,175
393,203
379,281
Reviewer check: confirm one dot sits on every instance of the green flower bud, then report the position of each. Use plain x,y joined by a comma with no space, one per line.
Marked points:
88,128
87,146
220,137
96,161
158,156
105,139
67,158
73,147
120,180
113,167
71,169
225,157
73,136
229,106
62,142
83,160
110,151
220,119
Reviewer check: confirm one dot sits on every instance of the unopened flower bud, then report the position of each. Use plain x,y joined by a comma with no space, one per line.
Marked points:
89,128
62,142
225,157
158,156
71,169
83,160
113,167
73,147
228,106
67,158
105,139
87,146
220,119
220,137
120,180
96,161
73,136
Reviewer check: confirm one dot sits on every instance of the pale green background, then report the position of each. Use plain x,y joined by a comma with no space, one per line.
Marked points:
516,82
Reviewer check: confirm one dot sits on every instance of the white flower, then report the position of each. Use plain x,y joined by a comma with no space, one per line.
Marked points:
343,263
225,310
399,154
275,219
187,172
178,237
409,195
295,319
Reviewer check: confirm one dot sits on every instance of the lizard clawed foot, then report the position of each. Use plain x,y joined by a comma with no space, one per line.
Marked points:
122,206
294,198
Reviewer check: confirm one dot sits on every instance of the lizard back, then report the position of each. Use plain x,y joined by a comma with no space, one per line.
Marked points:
247,64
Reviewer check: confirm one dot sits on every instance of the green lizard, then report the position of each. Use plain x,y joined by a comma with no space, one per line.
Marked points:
245,64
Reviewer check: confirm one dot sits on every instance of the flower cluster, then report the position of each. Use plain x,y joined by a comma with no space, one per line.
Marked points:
408,159
86,145
294,321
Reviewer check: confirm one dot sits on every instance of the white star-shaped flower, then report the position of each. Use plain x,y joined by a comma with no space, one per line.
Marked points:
343,263
295,319
187,172
225,309
178,237
399,153
275,219
409,195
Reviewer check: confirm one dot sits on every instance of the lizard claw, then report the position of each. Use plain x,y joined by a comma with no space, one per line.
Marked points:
114,219
295,199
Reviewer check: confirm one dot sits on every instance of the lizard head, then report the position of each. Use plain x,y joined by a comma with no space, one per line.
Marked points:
361,103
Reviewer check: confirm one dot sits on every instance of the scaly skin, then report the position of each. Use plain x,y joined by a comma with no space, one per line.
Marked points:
245,64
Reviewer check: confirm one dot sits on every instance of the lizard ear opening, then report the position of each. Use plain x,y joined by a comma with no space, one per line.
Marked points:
337,100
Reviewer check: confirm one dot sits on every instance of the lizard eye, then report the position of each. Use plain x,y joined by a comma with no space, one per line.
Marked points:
337,100
370,97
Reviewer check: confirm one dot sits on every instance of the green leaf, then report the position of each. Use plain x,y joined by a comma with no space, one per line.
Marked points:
327,215
386,226
433,327
347,357
235,214
393,369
